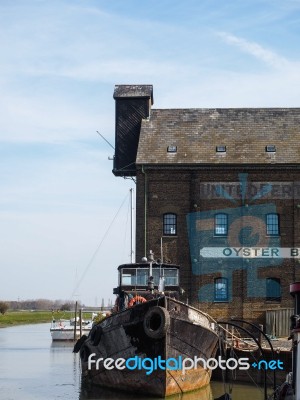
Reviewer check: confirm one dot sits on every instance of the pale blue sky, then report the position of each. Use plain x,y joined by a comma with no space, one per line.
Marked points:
59,62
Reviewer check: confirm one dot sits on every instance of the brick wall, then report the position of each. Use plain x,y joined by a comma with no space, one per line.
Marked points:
178,191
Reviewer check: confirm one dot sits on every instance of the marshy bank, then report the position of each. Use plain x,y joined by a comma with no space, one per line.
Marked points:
28,317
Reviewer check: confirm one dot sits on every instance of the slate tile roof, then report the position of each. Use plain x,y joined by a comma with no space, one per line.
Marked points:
196,132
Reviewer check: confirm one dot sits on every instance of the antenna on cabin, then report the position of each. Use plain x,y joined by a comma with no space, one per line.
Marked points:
151,259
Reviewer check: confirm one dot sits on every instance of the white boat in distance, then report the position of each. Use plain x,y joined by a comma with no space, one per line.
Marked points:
63,329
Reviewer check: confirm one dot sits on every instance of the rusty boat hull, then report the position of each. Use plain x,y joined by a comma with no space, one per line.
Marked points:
159,329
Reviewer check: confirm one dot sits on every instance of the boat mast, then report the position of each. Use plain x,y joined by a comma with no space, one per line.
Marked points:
131,226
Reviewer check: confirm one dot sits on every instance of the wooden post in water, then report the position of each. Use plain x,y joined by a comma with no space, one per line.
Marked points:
75,322
80,321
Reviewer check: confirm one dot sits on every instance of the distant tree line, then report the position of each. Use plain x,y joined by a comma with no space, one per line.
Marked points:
39,304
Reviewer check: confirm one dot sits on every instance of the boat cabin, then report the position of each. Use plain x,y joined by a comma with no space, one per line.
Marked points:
148,277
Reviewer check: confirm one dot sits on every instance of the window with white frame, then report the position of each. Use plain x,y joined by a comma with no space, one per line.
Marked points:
170,224
272,224
221,224
221,289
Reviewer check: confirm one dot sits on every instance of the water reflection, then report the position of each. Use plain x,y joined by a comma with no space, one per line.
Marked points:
73,369
97,393
34,368
238,391
215,390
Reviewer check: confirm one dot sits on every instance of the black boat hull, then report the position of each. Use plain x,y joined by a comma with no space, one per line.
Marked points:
159,329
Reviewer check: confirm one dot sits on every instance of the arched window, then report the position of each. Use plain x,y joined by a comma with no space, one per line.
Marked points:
221,289
221,224
272,224
273,289
170,224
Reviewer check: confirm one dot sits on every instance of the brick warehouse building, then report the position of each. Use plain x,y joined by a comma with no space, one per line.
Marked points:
220,189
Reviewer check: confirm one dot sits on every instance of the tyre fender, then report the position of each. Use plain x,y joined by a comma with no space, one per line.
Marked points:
156,322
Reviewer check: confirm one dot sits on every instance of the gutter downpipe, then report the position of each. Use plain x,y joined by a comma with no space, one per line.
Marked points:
145,212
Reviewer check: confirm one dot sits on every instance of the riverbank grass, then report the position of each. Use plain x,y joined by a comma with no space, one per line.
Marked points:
11,318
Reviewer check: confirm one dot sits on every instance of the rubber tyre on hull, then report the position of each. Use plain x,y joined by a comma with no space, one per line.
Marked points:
156,322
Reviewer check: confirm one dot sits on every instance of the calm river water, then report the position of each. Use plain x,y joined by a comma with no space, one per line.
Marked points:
33,368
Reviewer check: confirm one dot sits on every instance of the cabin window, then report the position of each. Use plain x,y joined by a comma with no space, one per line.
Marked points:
170,224
221,224
155,274
129,276
273,289
272,224
221,289
171,277
135,276
142,276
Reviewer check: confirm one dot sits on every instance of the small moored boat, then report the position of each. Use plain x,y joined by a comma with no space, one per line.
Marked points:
63,329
